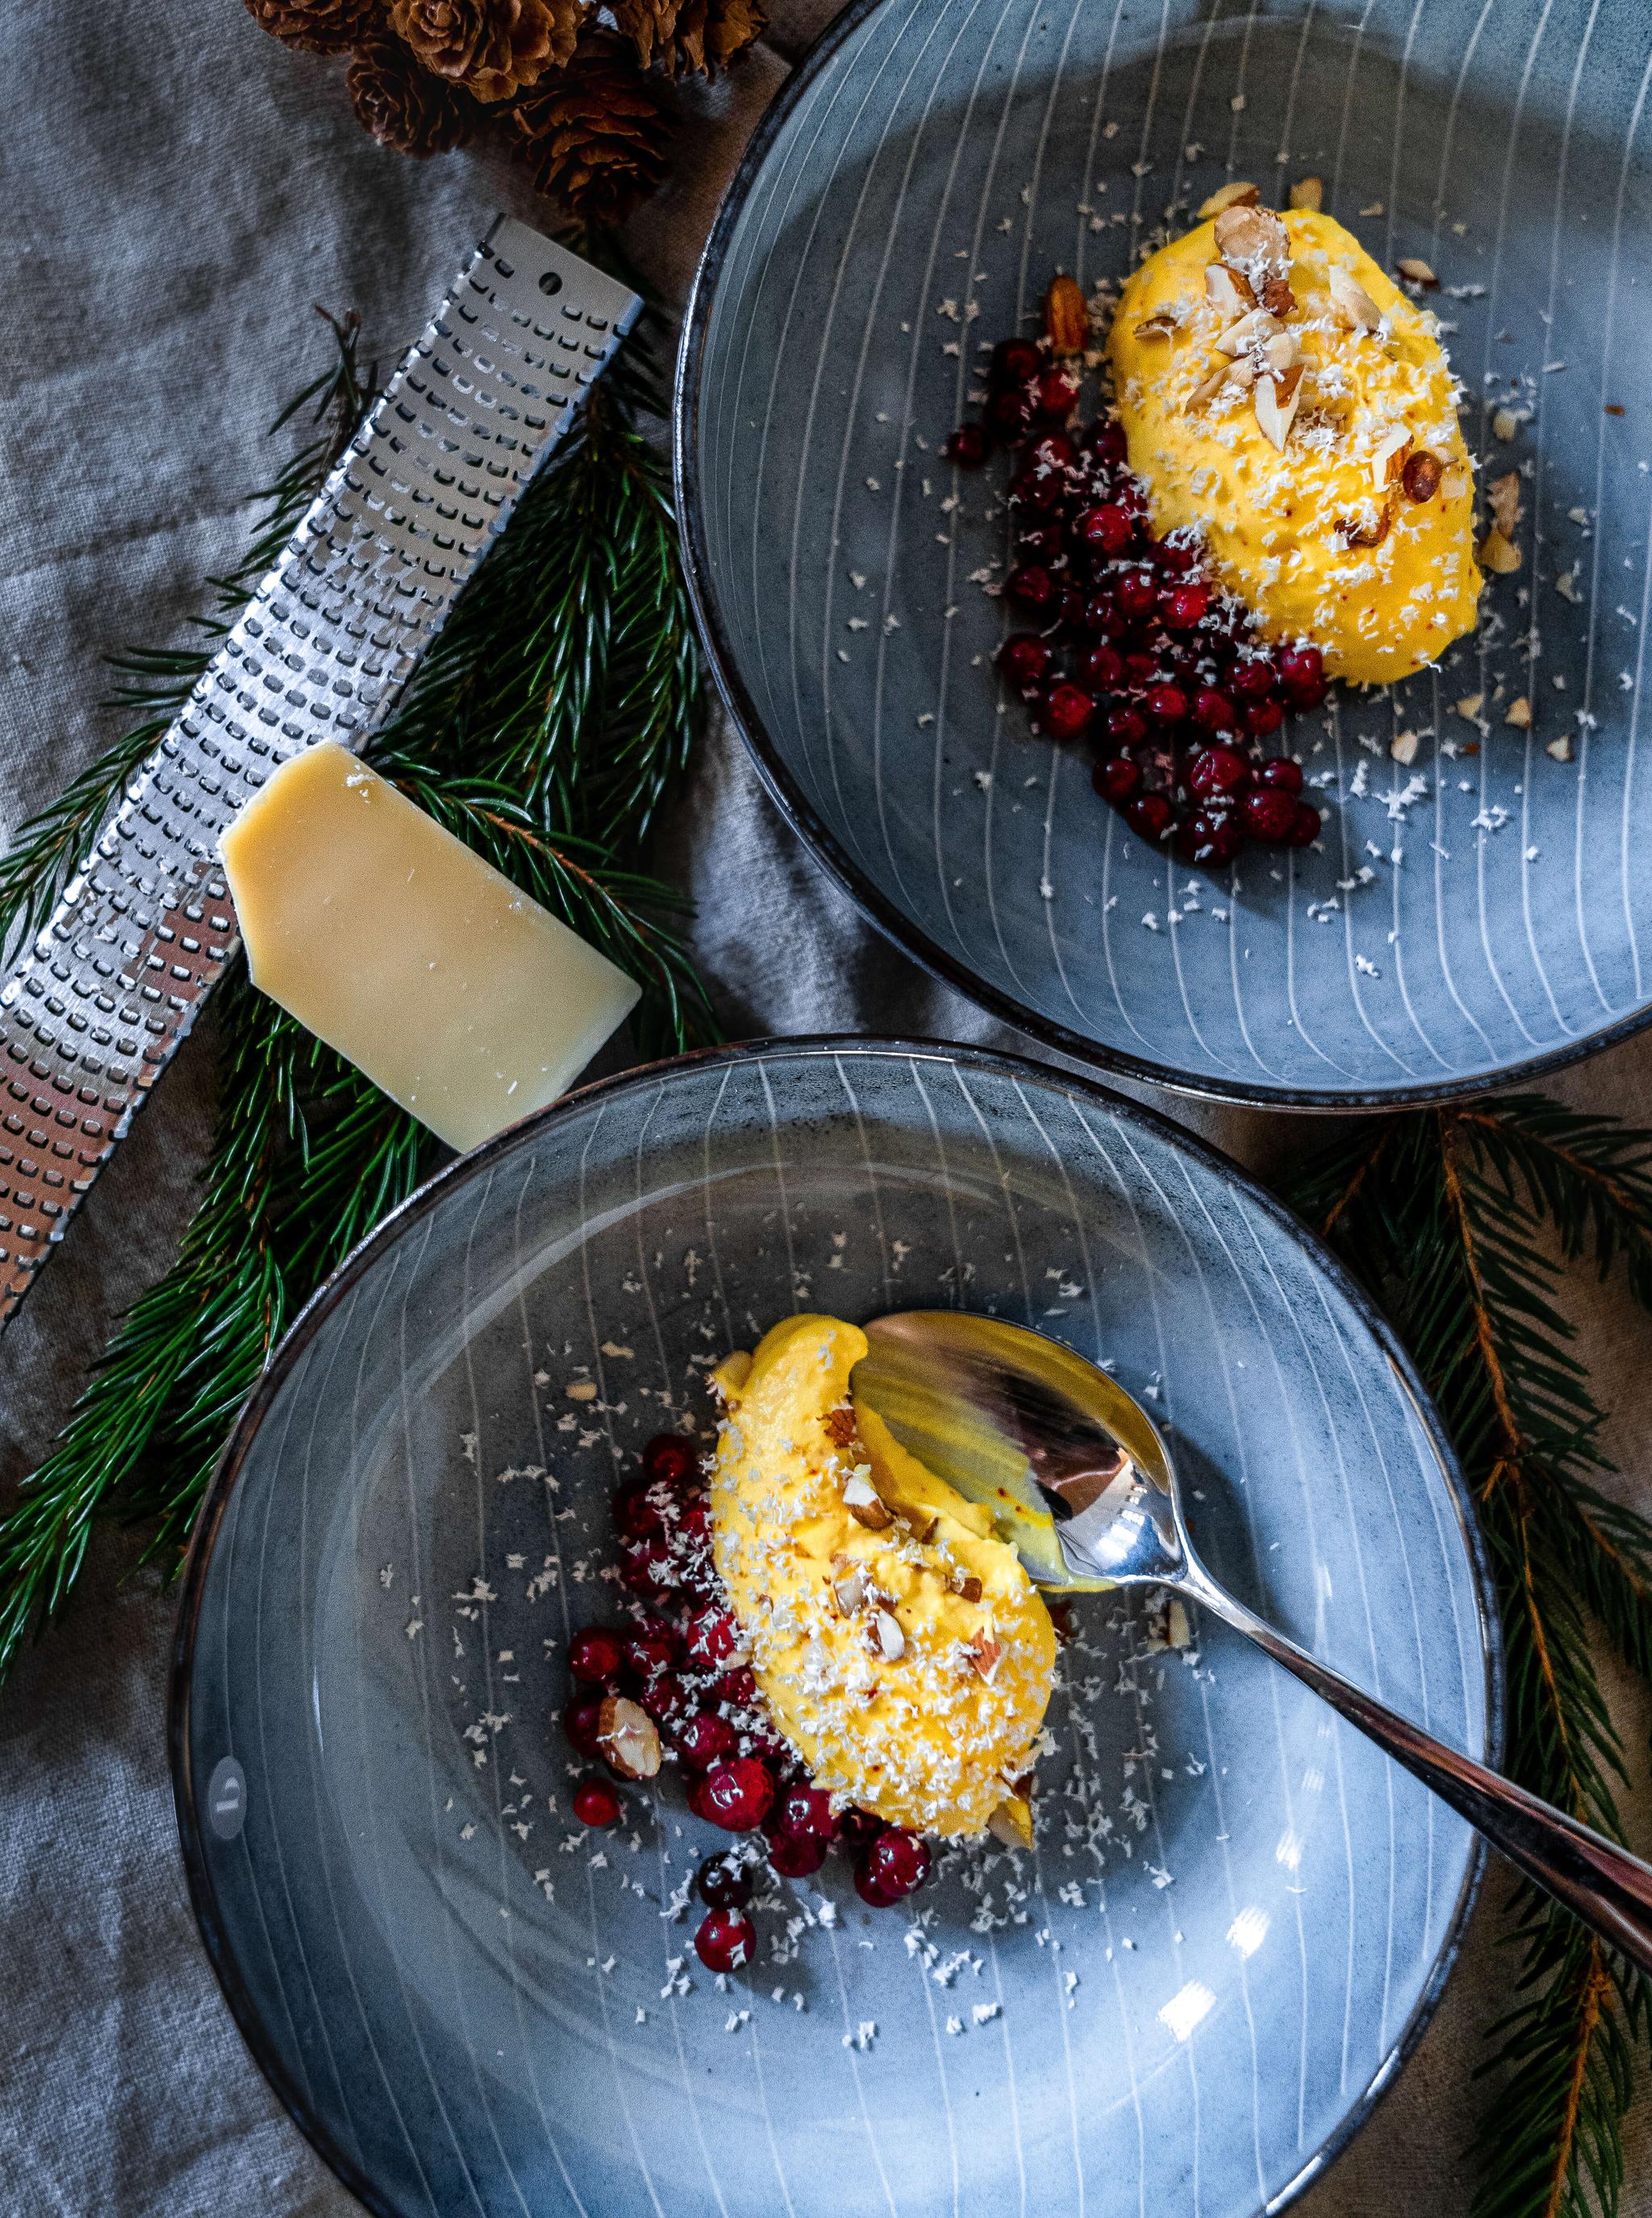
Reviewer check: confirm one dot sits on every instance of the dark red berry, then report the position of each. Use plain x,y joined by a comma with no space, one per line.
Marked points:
795,1855
1263,718
1252,680
1056,393
1269,812
860,1827
723,1884
1117,778
1102,668
670,1459
1051,451
1306,829
1009,417
738,1687
1184,605
1068,612
1166,705
1150,815
595,1803
1106,440
1102,615
727,1939
1040,543
1302,666
1040,491
805,1812
1173,556
1025,659
635,1514
1211,836
738,1794
1140,669
1030,586
1281,771
872,1891
595,1655
714,1636
968,446
1213,711
1126,728
706,1739
1135,593
897,1861
651,1568
1066,710
666,1700
1214,772
1013,361
582,1722
1104,531
652,1649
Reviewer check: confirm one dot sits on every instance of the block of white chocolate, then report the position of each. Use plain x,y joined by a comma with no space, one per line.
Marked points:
461,998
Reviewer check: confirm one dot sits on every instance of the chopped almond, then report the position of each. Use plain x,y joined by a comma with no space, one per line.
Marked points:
968,1589
1254,329
891,1641
1518,713
1403,746
864,1504
1275,402
984,1653
1505,497
1350,297
1415,271
1156,328
1254,237
839,1425
1307,193
849,1589
1067,317
1228,197
1012,1823
1499,553
1505,425
1560,748
1469,706
1277,296
1228,290
1386,457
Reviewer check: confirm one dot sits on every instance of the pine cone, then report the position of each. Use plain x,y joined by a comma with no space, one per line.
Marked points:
403,105
494,48
591,132
320,27
695,36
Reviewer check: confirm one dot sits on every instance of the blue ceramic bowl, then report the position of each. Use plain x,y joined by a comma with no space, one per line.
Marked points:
1474,917
1239,1914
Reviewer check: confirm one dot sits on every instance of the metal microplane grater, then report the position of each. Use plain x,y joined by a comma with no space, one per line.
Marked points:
91,1011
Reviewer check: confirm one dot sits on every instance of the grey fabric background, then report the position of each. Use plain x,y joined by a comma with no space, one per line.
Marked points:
175,192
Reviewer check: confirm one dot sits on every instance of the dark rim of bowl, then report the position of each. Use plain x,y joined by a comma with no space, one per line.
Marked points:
800,812
310,1319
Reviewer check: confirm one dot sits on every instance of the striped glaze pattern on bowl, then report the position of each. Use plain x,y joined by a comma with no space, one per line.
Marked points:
1239,1914
1477,913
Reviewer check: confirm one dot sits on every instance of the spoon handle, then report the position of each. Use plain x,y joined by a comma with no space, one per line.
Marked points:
1601,1883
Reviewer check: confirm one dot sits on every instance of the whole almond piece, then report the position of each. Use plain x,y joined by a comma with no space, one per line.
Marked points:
628,1738
1067,319
1254,239
1421,475
1228,197
1307,193
1415,271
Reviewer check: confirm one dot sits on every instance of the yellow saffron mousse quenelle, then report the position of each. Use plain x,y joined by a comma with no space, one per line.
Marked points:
901,1647
1280,393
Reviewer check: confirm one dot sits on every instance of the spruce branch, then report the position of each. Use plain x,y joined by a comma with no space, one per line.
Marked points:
544,727
1455,1219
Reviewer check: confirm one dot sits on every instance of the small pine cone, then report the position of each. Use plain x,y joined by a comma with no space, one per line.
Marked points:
695,37
494,48
320,27
592,132
403,105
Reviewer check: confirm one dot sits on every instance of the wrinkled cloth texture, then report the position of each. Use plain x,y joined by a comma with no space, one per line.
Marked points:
171,206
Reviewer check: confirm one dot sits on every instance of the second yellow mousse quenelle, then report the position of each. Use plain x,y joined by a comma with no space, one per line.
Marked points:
901,1647
1280,393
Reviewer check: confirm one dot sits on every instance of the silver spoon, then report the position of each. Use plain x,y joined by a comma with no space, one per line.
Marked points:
1010,1417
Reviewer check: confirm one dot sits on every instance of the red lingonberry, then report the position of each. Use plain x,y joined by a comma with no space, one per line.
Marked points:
1009,416
1102,615
713,1635
1023,658
859,1827
1103,666
1173,556
1056,393
582,1722
595,1655
738,1687
1068,612
1126,728
1013,361
1065,711
651,1648
737,1795
1281,771
1252,677
1150,815
1263,718
670,1459
650,1568
666,1700
795,1855
1106,440
635,1514
1166,705
1135,591
1141,670
1214,772
1269,812
723,1884
968,446
595,1803
1052,451
898,1861
1300,664
1030,586
1184,605
1212,710
1039,542
805,1812
727,1939
1211,836
1040,491
1117,778
1103,531
1306,828
872,1891
706,1739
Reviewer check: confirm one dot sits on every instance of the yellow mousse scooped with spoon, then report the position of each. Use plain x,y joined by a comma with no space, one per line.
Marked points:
1281,394
899,1646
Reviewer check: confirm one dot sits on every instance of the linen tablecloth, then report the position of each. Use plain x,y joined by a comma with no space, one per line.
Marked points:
175,191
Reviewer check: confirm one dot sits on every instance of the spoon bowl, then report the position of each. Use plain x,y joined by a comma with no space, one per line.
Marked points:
1081,1482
